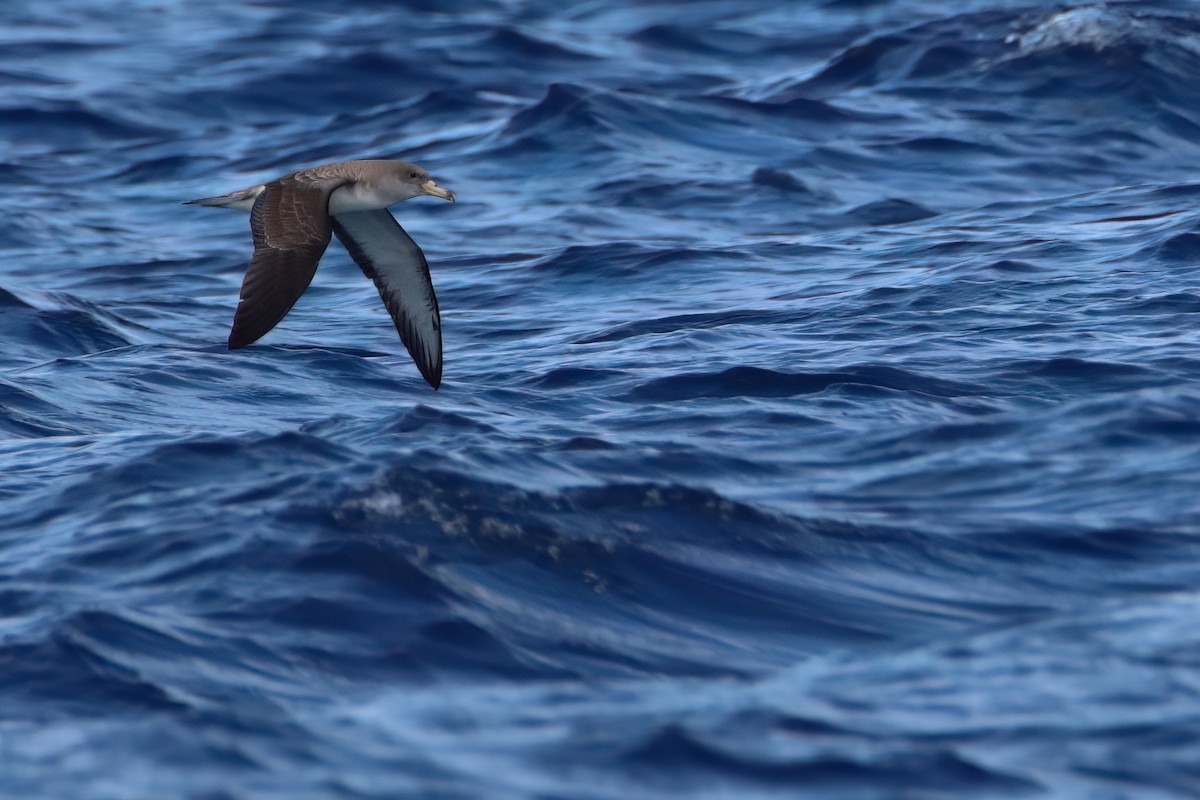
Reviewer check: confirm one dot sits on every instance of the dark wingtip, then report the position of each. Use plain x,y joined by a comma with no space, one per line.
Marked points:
243,332
432,376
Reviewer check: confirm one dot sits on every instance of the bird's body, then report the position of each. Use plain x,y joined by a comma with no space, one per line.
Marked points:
292,219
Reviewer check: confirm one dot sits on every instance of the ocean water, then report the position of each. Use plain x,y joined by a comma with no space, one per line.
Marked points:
821,409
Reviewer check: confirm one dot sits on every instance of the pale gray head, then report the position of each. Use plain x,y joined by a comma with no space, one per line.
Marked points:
409,180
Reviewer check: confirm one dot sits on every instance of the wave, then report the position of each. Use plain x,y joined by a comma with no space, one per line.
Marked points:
674,748
65,127
80,668
758,382
37,334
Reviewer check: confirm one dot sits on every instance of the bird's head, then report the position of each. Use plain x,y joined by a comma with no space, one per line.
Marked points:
414,181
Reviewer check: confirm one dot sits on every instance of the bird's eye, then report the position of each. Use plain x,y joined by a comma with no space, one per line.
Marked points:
414,175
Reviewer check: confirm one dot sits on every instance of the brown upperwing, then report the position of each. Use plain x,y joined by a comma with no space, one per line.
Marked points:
290,222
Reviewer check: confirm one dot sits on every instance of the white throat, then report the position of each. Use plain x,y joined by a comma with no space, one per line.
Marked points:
357,197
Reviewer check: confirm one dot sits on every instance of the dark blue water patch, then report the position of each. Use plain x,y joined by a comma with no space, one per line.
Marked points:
892,211
513,43
696,195
942,60
1062,74
599,263
10,301
1107,373
131,284
676,750
781,181
950,47
389,570
452,109
1183,247
423,417
946,145
462,646
169,558
1012,265
1176,423
1119,545
13,175
609,129
1126,69
171,474
616,538
487,516
565,108
502,334
412,634
861,64
701,321
431,7
956,433
65,675
45,47
800,109
13,78
584,444
43,334
1175,191
703,41
17,602
758,382
1067,75
364,78
496,531
691,463
572,377
24,414
1169,304
67,126
169,167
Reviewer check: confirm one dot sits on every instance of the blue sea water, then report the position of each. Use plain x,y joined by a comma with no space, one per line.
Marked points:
821,413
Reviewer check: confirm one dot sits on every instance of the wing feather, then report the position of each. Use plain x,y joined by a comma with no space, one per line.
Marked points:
396,264
290,223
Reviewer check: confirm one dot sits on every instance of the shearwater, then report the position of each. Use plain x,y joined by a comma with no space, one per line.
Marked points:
292,219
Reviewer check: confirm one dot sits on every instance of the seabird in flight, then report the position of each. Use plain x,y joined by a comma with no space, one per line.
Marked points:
292,218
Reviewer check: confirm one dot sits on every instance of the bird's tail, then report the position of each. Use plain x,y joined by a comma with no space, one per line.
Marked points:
242,199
